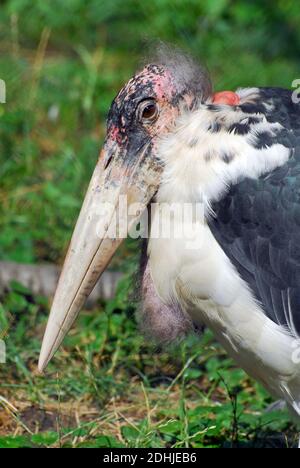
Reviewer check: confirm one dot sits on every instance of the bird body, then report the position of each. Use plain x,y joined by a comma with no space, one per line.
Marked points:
235,265
202,279
207,287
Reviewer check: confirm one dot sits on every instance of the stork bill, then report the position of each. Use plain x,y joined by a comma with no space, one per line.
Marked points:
170,139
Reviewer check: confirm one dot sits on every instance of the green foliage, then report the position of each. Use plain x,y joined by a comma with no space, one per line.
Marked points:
63,62
124,391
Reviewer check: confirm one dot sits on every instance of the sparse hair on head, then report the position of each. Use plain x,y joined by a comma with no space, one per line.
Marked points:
190,74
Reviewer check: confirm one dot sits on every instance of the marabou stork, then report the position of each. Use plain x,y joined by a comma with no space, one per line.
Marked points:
170,139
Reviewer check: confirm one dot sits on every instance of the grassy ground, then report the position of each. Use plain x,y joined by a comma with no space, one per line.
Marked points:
63,62
107,387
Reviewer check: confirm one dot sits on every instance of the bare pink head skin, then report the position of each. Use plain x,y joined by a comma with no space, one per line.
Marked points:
143,111
148,105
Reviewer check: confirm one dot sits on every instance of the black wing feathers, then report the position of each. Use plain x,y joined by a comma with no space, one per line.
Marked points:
257,223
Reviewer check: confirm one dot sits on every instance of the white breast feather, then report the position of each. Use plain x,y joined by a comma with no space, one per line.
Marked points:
206,175
203,279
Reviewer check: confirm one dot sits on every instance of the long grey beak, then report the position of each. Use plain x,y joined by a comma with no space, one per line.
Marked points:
103,223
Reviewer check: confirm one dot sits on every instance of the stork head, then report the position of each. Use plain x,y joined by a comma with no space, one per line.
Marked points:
127,173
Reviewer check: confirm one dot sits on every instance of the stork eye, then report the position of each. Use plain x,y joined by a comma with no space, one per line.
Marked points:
148,111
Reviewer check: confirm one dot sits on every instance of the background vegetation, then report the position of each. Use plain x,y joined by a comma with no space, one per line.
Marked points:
63,62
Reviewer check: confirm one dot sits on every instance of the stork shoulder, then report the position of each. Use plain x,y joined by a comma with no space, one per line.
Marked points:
217,146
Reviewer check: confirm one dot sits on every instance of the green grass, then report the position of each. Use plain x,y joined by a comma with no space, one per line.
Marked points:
107,387
63,62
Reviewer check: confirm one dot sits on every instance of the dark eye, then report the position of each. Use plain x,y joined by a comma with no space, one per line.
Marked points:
148,111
